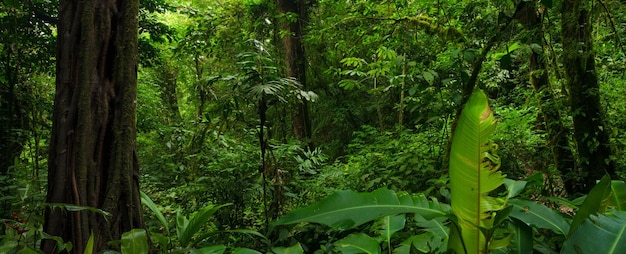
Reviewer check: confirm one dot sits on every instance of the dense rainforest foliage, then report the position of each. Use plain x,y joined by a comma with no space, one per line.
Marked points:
312,126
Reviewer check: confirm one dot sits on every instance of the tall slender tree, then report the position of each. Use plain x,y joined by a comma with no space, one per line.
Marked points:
92,152
590,131
294,14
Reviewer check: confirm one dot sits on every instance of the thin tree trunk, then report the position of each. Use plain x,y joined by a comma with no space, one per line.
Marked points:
92,151
167,81
590,129
558,143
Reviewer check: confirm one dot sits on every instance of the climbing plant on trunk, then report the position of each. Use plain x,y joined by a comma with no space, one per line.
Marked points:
92,160
590,129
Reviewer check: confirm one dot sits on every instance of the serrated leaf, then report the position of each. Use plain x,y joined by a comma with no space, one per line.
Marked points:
474,173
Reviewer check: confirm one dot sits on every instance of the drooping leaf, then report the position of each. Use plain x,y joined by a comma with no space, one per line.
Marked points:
157,213
135,241
348,209
357,244
597,200
604,234
538,215
474,173
75,208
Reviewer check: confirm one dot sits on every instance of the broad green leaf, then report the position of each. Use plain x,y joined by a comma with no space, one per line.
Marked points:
358,243
618,195
181,223
513,187
604,234
522,242
157,213
500,244
135,241
390,225
421,242
348,209
596,202
89,247
197,220
538,215
436,226
474,173
295,249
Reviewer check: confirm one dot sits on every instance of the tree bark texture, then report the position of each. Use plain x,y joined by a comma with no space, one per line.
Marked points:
295,60
590,129
92,158
558,140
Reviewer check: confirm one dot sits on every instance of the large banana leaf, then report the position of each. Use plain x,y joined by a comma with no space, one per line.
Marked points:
599,234
539,216
618,195
357,244
473,174
348,209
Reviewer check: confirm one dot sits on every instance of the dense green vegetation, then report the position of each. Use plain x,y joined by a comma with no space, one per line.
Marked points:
294,126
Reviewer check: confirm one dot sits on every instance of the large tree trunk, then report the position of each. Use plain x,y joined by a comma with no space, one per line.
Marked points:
295,61
553,123
590,130
92,152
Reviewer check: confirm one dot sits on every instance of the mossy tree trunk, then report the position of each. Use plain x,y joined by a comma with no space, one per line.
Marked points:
558,140
92,152
590,129
294,14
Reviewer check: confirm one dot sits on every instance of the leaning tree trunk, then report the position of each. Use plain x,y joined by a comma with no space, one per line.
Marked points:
590,129
295,61
558,140
92,152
